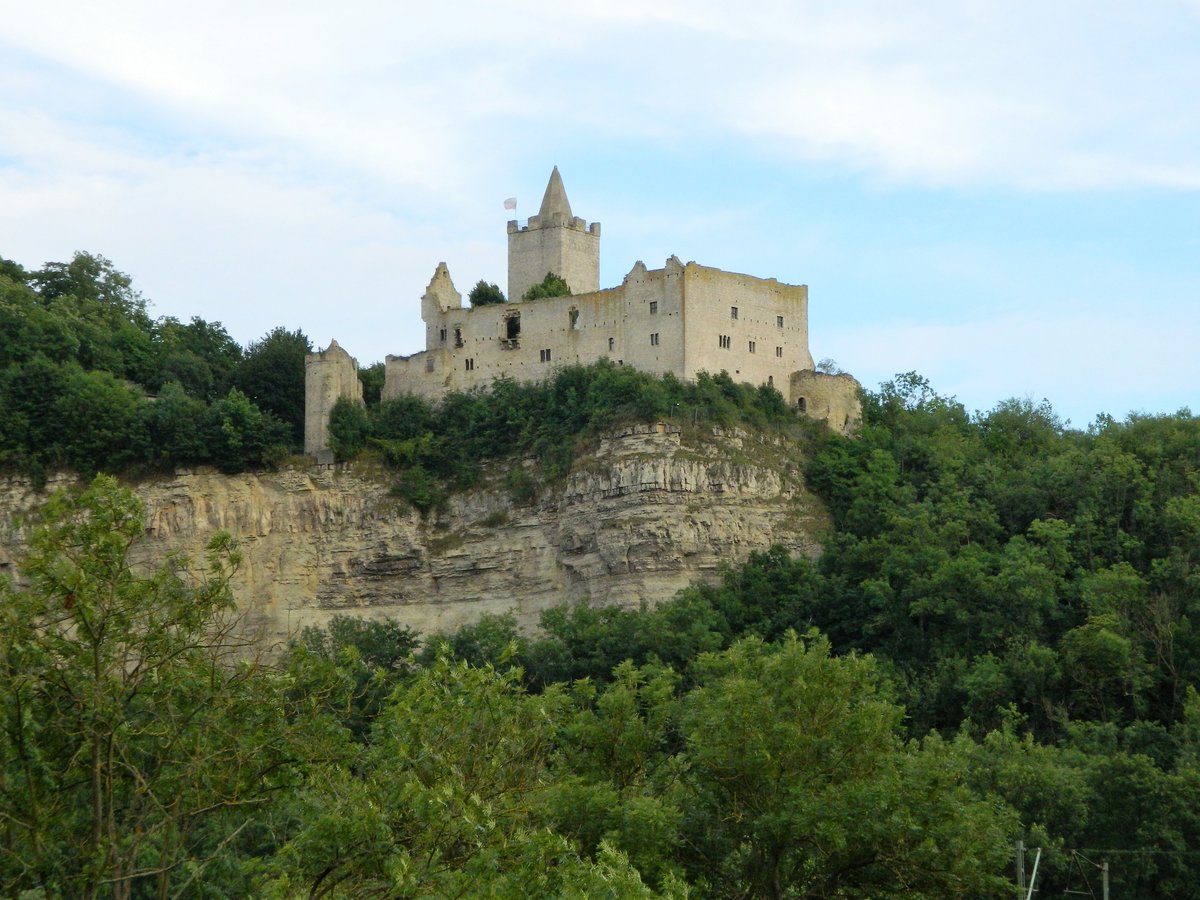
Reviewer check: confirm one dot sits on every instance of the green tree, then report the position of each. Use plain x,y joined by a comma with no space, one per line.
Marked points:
798,784
349,428
485,294
131,715
271,374
550,286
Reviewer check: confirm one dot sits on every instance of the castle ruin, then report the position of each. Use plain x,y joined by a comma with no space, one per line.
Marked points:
682,318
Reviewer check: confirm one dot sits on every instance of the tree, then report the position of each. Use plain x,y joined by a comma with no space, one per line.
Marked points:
271,374
798,785
485,294
550,286
132,717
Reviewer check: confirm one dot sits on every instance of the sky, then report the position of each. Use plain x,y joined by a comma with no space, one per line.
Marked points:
1001,196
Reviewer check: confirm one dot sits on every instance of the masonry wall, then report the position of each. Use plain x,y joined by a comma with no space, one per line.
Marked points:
763,342
328,375
568,248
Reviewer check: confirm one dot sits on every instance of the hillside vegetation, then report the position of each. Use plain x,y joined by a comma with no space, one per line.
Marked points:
997,644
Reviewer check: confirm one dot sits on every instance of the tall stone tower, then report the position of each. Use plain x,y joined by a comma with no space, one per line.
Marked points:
554,241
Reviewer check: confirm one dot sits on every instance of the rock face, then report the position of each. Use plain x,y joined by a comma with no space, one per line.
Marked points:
641,516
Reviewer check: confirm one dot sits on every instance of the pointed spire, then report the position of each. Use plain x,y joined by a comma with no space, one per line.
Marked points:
555,200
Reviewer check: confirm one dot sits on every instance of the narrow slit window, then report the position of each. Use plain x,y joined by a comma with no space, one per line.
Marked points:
779,352
654,339
752,346
612,344
470,365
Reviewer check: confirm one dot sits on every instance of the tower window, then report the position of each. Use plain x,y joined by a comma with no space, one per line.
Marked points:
470,365
458,341
654,307
733,312
752,346
802,405
612,343
544,355
779,321
442,336
724,341
573,317
779,352
654,339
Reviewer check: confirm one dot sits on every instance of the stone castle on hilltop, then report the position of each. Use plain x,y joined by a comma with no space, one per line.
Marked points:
682,319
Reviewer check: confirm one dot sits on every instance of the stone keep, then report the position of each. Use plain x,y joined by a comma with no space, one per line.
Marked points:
682,319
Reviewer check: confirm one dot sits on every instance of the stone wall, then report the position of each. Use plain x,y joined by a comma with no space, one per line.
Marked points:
832,399
329,375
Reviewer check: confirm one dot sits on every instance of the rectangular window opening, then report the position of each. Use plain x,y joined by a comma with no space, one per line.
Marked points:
779,352
612,343
654,339
544,355
470,365
573,316
752,346
733,312
654,307
779,321
442,336
724,341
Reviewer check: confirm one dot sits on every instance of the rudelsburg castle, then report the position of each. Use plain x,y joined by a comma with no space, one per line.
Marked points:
682,319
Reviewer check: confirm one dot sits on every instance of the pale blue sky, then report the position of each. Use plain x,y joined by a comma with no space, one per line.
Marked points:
1002,196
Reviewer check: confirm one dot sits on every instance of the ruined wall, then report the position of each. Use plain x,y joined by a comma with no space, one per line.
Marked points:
643,514
328,375
832,399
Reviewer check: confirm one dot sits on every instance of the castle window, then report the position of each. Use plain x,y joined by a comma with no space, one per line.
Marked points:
770,381
573,316
544,355
458,341
512,327
724,341
654,307
470,365
752,346
779,321
612,344
802,405
442,336
733,312
429,364
654,339
779,352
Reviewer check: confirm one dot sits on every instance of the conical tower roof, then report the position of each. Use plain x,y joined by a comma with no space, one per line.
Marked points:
555,201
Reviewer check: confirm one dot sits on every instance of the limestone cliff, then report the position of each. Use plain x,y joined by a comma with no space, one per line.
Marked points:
642,515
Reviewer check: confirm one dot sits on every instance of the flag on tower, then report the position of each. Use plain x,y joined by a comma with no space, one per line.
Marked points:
510,203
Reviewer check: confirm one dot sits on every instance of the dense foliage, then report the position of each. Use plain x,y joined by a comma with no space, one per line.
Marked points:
1029,591
89,382
485,294
437,447
551,286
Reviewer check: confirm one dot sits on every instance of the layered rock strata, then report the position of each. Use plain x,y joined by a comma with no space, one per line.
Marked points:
643,514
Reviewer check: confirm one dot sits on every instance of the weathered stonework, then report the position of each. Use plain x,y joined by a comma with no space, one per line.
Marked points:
641,516
829,398
328,376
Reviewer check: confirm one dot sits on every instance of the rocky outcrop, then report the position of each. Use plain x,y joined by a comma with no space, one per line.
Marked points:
643,514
